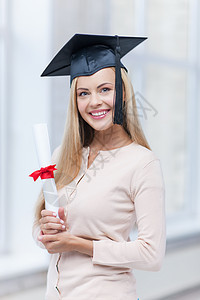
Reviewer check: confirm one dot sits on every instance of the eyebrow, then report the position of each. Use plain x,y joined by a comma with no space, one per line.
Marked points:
97,87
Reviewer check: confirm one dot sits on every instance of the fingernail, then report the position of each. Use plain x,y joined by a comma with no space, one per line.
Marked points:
39,237
62,222
54,214
63,226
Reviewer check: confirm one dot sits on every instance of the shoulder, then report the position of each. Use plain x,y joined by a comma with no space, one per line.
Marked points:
142,155
147,171
146,164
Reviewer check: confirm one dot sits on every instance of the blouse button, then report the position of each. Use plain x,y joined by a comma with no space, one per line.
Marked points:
57,267
57,289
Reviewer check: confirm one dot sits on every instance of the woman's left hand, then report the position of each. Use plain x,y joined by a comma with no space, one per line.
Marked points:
57,243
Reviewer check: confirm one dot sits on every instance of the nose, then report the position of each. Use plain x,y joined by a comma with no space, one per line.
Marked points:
95,99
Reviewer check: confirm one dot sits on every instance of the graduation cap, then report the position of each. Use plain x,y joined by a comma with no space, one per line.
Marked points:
85,54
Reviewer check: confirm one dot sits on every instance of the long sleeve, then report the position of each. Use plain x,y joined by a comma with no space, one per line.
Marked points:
35,233
148,250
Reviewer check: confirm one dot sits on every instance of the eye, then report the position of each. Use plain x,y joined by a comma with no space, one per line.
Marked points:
105,89
82,94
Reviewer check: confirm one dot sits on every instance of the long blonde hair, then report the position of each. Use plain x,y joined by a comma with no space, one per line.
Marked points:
79,134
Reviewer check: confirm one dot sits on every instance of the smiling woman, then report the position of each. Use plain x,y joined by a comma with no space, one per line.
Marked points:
96,101
95,98
92,254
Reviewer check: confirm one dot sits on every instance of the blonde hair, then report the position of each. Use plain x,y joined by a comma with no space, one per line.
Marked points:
79,134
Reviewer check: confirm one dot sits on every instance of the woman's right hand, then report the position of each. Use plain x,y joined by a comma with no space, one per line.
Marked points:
50,224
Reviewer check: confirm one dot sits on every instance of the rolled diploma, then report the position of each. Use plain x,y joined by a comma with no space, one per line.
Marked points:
42,144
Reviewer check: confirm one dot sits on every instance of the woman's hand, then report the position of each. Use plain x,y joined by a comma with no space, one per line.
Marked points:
57,239
49,224
65,241
57,243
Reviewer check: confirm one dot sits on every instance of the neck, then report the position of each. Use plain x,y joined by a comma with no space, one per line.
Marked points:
111,138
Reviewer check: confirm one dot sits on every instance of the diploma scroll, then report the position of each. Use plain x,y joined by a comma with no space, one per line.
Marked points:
42,144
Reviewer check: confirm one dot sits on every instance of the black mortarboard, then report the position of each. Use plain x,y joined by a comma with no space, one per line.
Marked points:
85,54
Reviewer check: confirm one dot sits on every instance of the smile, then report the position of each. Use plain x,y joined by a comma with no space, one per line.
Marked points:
99,115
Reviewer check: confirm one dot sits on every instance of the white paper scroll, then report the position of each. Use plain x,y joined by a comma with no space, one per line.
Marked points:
42,144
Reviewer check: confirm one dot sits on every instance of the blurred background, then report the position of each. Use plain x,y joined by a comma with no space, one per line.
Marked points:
165,72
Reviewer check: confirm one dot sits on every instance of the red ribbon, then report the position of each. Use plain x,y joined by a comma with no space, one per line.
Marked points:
44,173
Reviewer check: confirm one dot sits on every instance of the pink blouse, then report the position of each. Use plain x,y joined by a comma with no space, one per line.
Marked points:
122,188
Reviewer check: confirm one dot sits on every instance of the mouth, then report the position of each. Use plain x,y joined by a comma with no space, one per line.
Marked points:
100,115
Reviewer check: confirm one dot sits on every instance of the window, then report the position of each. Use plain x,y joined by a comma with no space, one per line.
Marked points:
171,68
165,75
24,101
3,75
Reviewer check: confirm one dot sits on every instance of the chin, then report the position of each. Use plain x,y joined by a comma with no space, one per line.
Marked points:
101,127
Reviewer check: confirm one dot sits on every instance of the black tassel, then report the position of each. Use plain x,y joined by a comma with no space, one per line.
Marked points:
118,117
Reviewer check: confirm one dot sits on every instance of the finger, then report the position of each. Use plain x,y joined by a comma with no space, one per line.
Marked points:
52,226
47,232
48,219
46,212
47,238
63,216
61,213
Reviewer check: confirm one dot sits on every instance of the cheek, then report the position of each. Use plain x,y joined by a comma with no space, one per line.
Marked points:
81,106
108,99
111,100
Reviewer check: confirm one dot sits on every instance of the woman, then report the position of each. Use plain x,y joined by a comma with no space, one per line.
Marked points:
115,177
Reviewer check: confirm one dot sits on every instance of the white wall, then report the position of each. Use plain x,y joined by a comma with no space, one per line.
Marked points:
27,102
180,272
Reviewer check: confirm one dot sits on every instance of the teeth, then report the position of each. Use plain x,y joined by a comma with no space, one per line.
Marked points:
99,113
